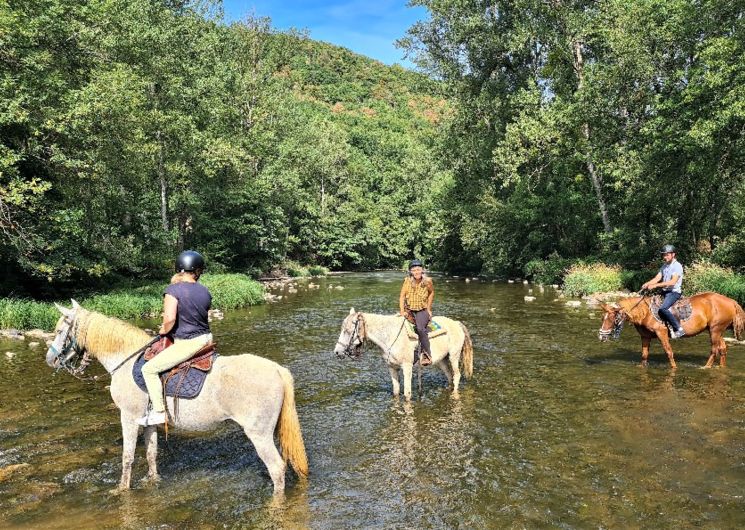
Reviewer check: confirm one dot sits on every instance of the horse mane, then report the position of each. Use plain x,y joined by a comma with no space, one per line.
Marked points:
103,336
634,308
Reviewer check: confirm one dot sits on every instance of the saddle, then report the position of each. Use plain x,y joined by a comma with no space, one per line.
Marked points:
184,380
434,329
681,309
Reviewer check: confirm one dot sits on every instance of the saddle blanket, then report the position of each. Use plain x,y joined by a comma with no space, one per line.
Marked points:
681,309
184,381
434,330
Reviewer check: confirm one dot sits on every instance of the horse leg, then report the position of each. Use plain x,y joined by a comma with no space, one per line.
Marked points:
151,450
267,451
444,365
646,339
455,367
716,339
129,442
394,379
665,341
722,352
408,368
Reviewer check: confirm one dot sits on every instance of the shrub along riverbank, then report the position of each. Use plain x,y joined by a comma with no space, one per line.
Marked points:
582,279
229,291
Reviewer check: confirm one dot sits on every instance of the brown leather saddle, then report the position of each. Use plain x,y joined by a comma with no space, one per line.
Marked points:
201,360
682,309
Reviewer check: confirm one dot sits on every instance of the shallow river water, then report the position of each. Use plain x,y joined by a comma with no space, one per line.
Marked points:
555,430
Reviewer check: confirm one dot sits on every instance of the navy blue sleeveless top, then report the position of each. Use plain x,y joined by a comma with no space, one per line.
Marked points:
194,300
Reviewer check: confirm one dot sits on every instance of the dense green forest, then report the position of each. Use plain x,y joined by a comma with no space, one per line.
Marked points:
589,129
538,130
131,129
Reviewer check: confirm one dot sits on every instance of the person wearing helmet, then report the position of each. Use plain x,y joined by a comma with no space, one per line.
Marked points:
670,280
185,306
415,305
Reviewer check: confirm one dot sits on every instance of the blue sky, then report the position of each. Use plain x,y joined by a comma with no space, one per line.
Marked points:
369,27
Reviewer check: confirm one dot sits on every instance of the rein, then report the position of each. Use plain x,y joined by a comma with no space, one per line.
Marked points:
71,349
145,347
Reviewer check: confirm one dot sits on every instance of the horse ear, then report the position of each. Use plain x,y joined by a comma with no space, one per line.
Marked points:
351,311
75,305
63,310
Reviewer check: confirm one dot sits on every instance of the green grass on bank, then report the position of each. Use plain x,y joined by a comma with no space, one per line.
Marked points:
295,270
583,279
229,291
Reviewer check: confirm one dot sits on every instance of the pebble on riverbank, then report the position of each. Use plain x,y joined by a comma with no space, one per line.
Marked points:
529,298
6,471
12,334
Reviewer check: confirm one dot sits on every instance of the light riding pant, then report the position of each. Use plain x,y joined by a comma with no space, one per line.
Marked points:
180,351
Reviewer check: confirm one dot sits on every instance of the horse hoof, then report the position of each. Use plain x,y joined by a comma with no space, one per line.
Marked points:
118,490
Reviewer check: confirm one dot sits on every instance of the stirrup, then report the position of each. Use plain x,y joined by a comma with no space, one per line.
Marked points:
425,359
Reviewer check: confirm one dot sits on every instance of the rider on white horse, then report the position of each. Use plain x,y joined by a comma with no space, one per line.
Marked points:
185,306
415,305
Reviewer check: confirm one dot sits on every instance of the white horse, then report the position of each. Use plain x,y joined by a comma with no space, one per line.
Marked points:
256,393
389,333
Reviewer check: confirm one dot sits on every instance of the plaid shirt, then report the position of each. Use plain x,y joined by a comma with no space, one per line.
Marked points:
415,296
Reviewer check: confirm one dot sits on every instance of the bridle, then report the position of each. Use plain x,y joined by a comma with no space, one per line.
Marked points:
72,357
353,349
615,331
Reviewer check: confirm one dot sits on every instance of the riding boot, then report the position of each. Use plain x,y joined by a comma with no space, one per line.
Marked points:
425,359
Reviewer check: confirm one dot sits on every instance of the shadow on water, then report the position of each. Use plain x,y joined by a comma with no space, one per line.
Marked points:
554,430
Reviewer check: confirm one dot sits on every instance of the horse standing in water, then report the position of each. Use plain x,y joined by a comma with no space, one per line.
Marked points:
711,311
256,393
387,331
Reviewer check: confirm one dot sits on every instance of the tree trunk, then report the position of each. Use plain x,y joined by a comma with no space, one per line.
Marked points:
163,184
597,179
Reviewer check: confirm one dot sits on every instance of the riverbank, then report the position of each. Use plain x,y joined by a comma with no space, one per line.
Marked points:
229,291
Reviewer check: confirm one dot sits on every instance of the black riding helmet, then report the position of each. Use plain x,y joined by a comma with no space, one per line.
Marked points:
668,248
189,261
415,263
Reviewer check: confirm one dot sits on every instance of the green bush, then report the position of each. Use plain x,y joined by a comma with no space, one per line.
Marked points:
27,314
295,270
229,291
550,270
317,270
702,277
582,279
633,280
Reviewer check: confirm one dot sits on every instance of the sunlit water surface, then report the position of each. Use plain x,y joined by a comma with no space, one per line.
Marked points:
555,430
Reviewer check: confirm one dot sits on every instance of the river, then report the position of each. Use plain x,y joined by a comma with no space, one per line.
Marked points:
555,430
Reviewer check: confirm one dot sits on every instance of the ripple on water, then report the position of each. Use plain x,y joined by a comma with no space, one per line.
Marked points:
555,430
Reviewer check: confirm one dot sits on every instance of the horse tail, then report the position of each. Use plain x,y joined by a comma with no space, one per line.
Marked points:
738,324
288,428
466,353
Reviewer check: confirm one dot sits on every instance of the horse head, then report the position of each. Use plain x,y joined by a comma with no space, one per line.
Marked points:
352,336
64,348
613,318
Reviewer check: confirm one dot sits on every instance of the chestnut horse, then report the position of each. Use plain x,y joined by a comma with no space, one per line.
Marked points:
711,311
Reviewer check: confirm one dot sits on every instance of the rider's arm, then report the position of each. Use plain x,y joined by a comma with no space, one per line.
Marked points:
653,281
431,297
170,304
402,300
670,282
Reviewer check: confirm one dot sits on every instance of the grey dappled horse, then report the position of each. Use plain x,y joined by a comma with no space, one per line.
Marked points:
389,334
256,393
